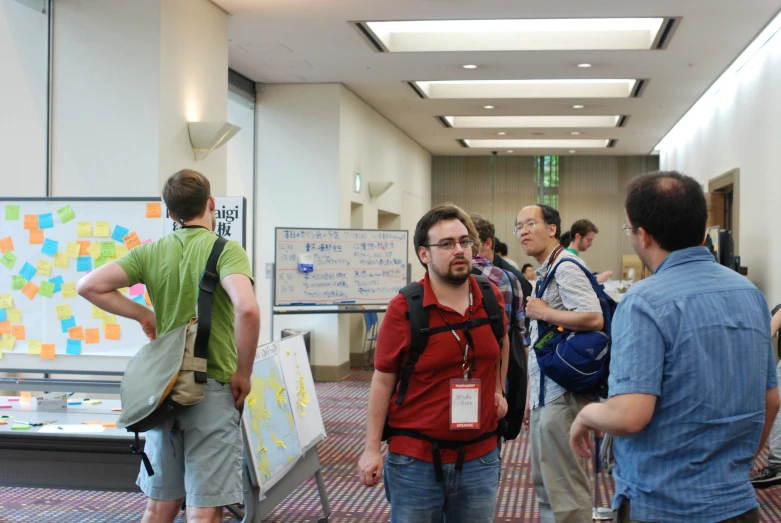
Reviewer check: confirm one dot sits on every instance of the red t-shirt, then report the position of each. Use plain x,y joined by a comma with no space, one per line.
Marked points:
426,407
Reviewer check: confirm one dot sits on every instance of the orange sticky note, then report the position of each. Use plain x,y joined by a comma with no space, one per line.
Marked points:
153,210
5,327
30,221
112,331
116,409
36,237
30,290
76,333
109,424
6,244
131,240
91,336
84,250
17,331
146,298
47,351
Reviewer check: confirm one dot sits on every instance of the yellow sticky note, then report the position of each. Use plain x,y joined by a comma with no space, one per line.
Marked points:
94,250
17,331
119,251
44,268
34,347
91,336
84,230
47,351
102,229
6,301
109,319
98,313
13,315
7,342
73,250
68,290
76,333
61,260
64,311
112,331
123,290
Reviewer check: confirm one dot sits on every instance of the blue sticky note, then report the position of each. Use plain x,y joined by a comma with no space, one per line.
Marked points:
58,281
45,221
28,271
49,247
119,234
73,347
67,324
84,263
2,315
140,299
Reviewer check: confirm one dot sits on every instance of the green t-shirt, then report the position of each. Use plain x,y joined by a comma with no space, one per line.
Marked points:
572,251
171,269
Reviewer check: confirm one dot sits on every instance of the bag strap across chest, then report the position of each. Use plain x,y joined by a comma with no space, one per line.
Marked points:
209,281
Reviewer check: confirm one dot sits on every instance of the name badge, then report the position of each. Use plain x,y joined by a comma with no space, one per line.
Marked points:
464,404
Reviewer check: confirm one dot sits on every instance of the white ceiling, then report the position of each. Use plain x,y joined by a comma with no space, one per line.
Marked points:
312,41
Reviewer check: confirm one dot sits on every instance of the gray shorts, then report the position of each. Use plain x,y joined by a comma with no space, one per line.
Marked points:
198,453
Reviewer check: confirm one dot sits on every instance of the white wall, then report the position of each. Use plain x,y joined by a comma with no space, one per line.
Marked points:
741,128
24,43
240,152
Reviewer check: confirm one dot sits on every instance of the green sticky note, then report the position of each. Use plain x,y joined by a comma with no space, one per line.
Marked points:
11,212
100,262
66,214
20,427
46,289
17,282
8,259
106,249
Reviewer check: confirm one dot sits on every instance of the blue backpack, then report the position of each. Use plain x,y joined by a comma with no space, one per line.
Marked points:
578,361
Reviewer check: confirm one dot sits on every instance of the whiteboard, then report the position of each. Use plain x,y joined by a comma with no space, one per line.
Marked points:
350,266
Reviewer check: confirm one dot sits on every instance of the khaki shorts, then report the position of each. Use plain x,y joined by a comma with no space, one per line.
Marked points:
198,453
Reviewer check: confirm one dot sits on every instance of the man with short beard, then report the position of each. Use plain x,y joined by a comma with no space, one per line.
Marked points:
433,470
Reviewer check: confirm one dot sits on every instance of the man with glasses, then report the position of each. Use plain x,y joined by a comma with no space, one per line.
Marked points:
569,301
442,460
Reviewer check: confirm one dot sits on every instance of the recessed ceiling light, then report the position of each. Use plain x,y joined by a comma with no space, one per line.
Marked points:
572,151
574,133
584,66
510,151
561,144
501,133
488,107
578,106
469,66
497,89
533,122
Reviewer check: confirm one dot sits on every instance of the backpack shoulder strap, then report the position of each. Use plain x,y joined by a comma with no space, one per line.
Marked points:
491,305
514,311
419,333
209,281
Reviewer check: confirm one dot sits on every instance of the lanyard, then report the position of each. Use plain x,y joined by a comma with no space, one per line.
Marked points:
549,262
465,365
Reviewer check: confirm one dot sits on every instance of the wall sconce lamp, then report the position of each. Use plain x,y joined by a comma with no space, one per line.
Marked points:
377,189
208,136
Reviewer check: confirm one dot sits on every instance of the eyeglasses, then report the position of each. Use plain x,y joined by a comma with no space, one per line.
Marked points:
465,243
629,230
529,226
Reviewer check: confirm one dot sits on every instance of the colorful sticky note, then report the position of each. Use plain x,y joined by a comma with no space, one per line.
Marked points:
30,290
5,328
73,347
45,221
123,290
34,347
153,210
66,214
112,331
68,290
131,240
102,229
7,342
91,336
6,301
3,315
57,281
98,313
11,212
63,312
119,233
17,282
94,250
84,263
6,244
139,299
46,289
49,247
109,319
106,249
14,315
84,247
27,272
137,289
44,268
36,237
76,333
147,299
61,260
17,331
9,260
84,230
31,221
67,324
47,351
119,251
73,250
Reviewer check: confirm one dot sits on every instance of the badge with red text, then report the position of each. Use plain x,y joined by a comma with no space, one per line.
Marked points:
464,404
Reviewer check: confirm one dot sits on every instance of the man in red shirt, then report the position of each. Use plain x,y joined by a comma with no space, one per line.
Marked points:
434,467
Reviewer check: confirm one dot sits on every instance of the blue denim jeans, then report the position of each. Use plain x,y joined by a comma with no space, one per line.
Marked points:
415,496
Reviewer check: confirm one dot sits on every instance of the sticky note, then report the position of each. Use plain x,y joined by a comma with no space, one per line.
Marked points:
74,402
6,301
66,214
102,229
9,260
20,426
44,267
119,233
123,290
46,289
73,347
45,221
76,333
83,263
137,289
49,247
116,409
47,351
131,240
109,424
147,299
68,290
17,282
14,315
94,250
112,331
91,336
11,212
27,272
152,210
31,221
106,249
67,324
139,299
5,328
84,230
34,347
36,237
6,244
119,251
30,290
57,281
109,319
100,262
98,313
17,331
73,249
7,342
3,315
61,260
63,312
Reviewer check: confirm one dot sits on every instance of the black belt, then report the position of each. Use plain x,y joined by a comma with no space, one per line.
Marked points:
437,444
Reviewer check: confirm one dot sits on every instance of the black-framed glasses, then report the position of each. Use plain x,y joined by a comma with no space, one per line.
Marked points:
629,230
465,243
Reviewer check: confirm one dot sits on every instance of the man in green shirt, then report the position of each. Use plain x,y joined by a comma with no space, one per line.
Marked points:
197,454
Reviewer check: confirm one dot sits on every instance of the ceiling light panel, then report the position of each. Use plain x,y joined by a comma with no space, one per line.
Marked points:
531,122
537,144
497,89
517,35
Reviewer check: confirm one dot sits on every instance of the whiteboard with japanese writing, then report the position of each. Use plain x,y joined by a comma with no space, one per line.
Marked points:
348,266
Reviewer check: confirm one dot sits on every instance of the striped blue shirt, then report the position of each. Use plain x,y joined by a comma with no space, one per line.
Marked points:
696,335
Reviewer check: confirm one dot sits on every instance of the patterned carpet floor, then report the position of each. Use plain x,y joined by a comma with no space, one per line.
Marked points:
343,406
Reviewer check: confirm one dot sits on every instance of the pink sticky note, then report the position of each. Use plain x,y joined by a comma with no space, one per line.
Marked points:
5,406
13,399
137,289
149,240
